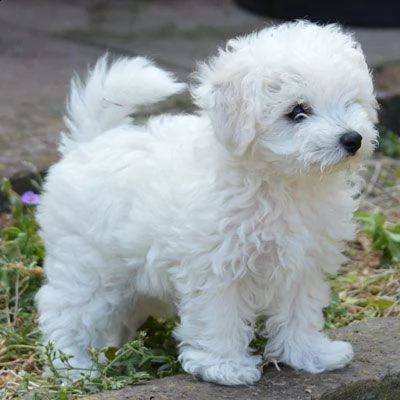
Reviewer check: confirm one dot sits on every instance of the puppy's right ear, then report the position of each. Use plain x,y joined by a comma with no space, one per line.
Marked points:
229,99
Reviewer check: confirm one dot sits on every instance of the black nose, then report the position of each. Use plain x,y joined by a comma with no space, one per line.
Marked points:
351,141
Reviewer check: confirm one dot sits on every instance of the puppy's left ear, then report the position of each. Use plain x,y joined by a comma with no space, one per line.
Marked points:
231,103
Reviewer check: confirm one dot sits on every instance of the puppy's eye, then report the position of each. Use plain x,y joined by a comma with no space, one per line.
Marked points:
299,112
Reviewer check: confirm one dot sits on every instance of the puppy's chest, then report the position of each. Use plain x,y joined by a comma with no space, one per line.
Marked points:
287,235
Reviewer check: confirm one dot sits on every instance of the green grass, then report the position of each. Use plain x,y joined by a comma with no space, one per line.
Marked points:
363,290
385,237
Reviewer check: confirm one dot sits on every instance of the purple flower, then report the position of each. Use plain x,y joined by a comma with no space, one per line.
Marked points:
30,198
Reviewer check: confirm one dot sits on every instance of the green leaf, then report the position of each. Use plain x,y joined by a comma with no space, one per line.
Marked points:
379,220
395,237
11,232
6,186
62,396
395,228
110,353
380,240
394,249
379,303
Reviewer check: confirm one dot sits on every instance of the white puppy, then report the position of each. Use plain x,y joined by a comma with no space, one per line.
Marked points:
237,212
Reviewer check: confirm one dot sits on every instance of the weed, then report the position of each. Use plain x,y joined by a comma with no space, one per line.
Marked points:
385,237
19,239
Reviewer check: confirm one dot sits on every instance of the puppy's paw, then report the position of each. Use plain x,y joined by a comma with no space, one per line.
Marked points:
220,370
331,356
228,373
323,355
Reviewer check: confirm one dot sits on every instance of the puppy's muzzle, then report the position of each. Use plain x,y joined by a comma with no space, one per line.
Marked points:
351,142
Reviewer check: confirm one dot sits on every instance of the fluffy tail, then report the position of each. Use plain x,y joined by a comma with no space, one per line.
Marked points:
110,94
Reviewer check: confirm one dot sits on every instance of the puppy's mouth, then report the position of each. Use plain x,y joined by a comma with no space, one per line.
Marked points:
345,153
330,160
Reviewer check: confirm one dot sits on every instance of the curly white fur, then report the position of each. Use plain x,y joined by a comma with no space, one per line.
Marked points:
234,213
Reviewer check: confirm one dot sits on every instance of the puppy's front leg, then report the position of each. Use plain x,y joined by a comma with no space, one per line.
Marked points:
294,326
215,331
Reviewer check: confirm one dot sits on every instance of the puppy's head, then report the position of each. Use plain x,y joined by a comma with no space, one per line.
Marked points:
297,96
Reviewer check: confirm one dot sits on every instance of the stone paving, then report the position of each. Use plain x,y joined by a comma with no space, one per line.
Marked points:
374,374
43,42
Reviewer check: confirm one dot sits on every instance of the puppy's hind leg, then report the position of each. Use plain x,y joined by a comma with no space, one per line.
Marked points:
215,331
76,312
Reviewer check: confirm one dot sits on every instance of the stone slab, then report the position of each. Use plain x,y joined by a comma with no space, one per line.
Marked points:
374,374
34,78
